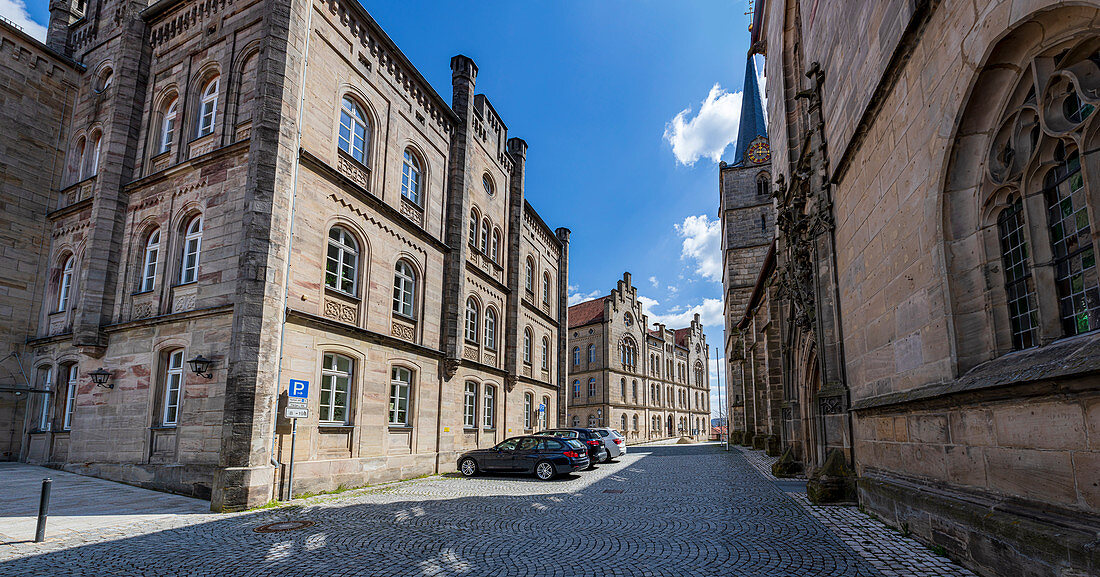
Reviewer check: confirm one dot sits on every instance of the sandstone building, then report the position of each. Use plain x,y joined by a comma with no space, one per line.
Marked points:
647,383
272,186
933,287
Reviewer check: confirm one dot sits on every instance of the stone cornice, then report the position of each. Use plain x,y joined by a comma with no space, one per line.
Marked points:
303,318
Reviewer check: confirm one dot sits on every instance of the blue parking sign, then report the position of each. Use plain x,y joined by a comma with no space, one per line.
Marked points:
298,389
542,408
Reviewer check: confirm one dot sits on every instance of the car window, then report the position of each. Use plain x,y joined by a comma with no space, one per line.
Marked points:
616,433
575,444
527,444
601,433
508,445
549,445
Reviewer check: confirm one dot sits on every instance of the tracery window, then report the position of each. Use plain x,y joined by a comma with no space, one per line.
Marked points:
1023,313
1071,239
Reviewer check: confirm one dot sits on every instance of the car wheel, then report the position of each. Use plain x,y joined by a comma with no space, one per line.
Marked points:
545,470
468,467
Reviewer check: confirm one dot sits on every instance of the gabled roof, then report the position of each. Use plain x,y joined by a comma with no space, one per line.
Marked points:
752,115
587,312
682,337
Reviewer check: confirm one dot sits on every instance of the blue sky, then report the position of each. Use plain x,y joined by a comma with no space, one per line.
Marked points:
626,107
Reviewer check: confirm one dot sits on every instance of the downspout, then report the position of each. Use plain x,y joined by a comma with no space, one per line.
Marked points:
289,247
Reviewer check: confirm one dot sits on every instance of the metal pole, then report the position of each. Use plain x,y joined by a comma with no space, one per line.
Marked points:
723,414
290,473
43,509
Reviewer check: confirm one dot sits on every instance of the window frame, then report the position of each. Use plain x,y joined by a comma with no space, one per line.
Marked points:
333,374
404,290
527,345
208,107
354,119
528,409
72,381
174,382
397,387
473,320
488,417
490,328
347,245
192,237
412,177
65,283
150,261
168,125
469,405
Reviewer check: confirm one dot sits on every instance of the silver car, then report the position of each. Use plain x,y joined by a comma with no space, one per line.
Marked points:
615,442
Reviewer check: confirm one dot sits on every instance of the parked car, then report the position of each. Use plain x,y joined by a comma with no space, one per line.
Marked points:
613,440
597,453
544,456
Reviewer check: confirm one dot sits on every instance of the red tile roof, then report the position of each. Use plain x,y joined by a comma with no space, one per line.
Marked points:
586,312
682,336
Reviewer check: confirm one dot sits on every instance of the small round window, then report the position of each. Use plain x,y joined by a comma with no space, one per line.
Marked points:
487,183
103,81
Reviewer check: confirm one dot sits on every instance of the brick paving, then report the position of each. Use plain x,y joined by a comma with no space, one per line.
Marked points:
684,510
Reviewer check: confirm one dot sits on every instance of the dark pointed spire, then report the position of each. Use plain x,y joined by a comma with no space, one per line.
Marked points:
752,115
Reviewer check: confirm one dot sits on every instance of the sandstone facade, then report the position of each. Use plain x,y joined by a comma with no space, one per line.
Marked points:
935,256
647,383
274,186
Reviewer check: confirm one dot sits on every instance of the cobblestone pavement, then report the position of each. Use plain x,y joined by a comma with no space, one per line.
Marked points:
676,510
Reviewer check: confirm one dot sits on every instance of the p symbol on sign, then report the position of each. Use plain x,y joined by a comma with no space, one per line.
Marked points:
298,389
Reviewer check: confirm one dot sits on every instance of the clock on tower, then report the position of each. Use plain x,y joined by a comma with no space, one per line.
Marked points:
759,153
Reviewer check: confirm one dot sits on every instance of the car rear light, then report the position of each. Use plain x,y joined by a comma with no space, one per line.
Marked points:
593,443
618,441
571,454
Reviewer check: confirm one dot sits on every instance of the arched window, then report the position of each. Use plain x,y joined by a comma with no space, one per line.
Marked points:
354,130
192,247
635,423
634,390
168,125
628,353
404,289
1075,272
411,177
592,387
698,374
80,152
173,388
149,263
490,329
472,313
622,385
546,289
486,230
65,285
487,184
527,345
763,184
576,388
469,406
529,275
336,375
342,264
628,319
591,353
496,246
544,411
576,355
71,382
208,107
97,141
400,397
475,220
545,354
528,410
487,418
623,422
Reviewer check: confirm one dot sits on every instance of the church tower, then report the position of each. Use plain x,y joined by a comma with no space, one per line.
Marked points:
748,224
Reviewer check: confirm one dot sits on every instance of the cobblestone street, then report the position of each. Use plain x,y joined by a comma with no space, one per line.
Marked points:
677,510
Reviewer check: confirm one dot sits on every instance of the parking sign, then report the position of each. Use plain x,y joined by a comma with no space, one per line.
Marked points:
298,389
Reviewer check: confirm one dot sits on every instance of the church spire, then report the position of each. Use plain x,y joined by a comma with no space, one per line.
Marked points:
752,133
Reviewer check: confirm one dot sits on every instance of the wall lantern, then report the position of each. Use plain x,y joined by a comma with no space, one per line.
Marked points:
100,377
200,365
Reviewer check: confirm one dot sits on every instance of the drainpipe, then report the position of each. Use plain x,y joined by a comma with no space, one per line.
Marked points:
289,247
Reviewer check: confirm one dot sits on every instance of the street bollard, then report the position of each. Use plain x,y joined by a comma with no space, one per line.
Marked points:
43,508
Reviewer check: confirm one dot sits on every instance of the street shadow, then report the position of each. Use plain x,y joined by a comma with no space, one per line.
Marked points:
652,514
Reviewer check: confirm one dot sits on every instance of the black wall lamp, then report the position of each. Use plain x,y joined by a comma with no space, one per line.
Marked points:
100,377
200,365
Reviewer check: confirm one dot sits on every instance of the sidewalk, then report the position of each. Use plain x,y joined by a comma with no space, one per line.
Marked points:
79,503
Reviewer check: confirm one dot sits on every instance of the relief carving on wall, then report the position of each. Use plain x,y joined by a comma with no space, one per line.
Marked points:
142,310
832,405
411,211
402,330
470,353
342,312
350,169
490,359
184,303
794,270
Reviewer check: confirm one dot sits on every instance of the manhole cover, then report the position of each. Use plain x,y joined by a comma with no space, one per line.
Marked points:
281,526
612,490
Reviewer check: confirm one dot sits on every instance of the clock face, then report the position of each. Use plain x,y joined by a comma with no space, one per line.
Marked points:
759,152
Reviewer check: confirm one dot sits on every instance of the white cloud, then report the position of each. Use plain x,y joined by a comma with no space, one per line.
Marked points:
710,314
577,298
653,281
16,11
710,132
702,243
648,305
673,290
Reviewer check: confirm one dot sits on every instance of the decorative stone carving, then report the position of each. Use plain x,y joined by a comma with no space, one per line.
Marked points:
57,324
470,353
184,302
141,310
490,359
448,367
244,131
832,405
412,212
788,414
342,312
402,330
527,370
510,382
202,145
353,170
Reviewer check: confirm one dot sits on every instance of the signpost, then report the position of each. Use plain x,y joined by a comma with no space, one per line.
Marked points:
296,408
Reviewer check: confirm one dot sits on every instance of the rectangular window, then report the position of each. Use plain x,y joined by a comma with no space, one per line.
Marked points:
45,382
490,406
173,386
1022,310
400,385
70,397
592,387
528,407
336,374
469,406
